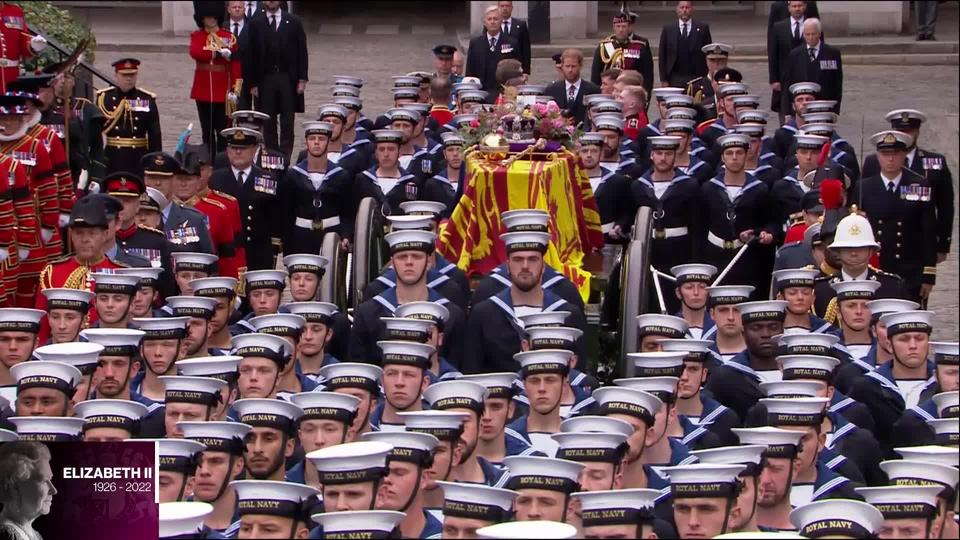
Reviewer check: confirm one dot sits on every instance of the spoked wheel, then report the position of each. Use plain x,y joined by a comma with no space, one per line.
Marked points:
369,249
634,273
333,284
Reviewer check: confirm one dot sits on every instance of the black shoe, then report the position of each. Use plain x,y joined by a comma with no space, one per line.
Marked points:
931,38
921,37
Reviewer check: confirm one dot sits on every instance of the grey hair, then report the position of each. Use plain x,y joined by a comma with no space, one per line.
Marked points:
814,21
18,463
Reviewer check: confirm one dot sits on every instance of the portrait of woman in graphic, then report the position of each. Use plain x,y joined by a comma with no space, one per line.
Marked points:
26,488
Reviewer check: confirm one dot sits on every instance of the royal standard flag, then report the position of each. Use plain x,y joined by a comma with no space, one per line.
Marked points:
553,182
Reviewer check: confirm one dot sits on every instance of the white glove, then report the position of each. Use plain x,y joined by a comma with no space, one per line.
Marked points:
23,253
4,254
64,220
46,234
38,44
225,52
83,180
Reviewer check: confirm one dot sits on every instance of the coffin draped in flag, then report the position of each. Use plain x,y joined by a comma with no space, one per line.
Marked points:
553,182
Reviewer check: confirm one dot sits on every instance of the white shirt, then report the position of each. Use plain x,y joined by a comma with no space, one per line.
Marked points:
239,24
848,277
494,37
246,172
895,180
575,85
508,23
689,24
278,14
796,27
910,155
816,50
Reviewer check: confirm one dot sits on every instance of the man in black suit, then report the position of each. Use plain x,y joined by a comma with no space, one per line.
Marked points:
517,29
569,91
816,61
681,58
783,37
489,48
781,10
239,26
277,71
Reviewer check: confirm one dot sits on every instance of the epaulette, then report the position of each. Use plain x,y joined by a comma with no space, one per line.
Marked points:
118,263
102,90
147,92
705,124
823,277
214,202
150,229
81,101
226,196
883,272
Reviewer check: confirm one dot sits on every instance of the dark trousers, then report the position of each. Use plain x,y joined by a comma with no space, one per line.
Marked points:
926,13
680,80
277,98
213,119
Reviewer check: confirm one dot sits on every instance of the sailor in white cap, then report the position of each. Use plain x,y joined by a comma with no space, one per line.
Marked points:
118,362
600,452
47,428
736,383
776,478
313,348
110,420
356,523
437,316
694,406
499,407
190,399
326,421
575,396
743,517
795,286
446,185
178,460
263,358
691,290
538,479
288,326
405,364
269,509
18,329
351,474
199,311
188,266
223,368
263,289
908,511
402,491
654,326
727,333
45,388
148,290
656,363
468,507
528,529
447,427
114,295
912,428
493,330
543,373
837,518
946,430
224,291
361,381
850,312
611,189
930,466
81,355
161,348
220,463
621,513
305,270
66,312
704,497
183,519
272,438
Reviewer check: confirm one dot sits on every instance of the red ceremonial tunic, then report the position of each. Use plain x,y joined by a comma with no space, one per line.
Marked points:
67,272
14,43
236,225
14,191
214,75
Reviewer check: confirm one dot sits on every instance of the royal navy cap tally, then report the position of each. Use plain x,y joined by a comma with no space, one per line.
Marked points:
444,425
817,128
428,311
403,115
201,307
696,350
731,89
607,107
678,100
590,99
596,424
407,446
804,87
477,501
458,394
312,312
348,80
531,472
403,329
314,127
422,108
698,480
405,222
111,413
451,139
273,498
411,240
20,320
948,404
260,345
808,366
902,502
406,353
472,96
498,385
746,100
182,519
913,472
780,443
810,141
905,119
72,299
352,375
608,122
197,262
807,343
373,524
752,116
241,136
48,428
544,318
657,363
349,101
721,295
748,455
543,361
351,463
525,220
617,506
265,279
591,446
792,389
806,411
525,241
627,401
269,413
326,406
430,209
678,125
856,289
761,311
795,277
819,117
82,355
821,105
214,286
115,341
162,327
462,120
149,276
891,140
217,436
327,110
279,324
591,138
657,324
662,92
664,142
837,518
46,374
946,430
199,390
465,84
734,140
945,353
693,272
552,337
114,283
907,321
665,388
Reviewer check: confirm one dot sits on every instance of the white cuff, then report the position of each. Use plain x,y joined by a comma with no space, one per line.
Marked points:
64,220
4,254
38,44
23,253
46,234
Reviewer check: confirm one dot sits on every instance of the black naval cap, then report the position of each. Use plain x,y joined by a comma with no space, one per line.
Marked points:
444,51
810,202
727,74
193,158
111,205
90,211
159,164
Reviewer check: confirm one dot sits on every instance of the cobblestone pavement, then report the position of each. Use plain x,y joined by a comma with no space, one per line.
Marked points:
870,92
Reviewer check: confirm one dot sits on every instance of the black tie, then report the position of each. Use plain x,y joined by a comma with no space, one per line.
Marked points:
685,30
249,9
796,30
506,28
236,29
891,188
273,22
493,43
813,54
240,178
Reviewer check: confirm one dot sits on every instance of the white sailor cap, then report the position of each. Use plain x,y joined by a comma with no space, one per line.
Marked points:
678,100
679,113
803,411
780,443
48,428
260,345
200,307
748,455
429,311
912,472
816,127
552,337
326,406
187,389
498,385
881,306
351,463
931,453
352,375
693,272
662,92
945,353
807,343
359,523
617,506
525,220
532,472
609,122
115,341
214,286
804,87
447,138
746,100
836,518
217,436
456,394
752,130
731,89
406,353
696,350
905,118
265,279
461,120
678,125
245,115
855,289
795,277
657,324
315,127
214,367
73,299
544,318
664,142
729,294
531,89
810,141
821,105
947,404
405,329
312,312
607,107
791,389
891,139
902,502
734,140
429,209
665,388
907,321
183,518
305,262
590,99
545,530
403,115
332,109
338,91
703,480
104,282
46,374
627,401
444,425
279,324
155,328
472,96
525,241
808,366
752,116
716,50
477,501
820,117
269,413
947,430
591,446
764,310
409,446
543,361
591,138
6,435
149,276
596,424
274,498
111,413
348,80
82,355
407,240
406,81
198,262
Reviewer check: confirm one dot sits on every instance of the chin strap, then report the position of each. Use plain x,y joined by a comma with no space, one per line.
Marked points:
226,479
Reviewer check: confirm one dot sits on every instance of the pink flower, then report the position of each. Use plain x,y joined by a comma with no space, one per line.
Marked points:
546,125
541,109
474,124
570,130
552,107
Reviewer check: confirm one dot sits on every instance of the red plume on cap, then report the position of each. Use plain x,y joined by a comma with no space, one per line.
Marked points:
831,193
824,154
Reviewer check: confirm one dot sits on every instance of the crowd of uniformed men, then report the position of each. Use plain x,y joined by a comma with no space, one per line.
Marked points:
445,408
